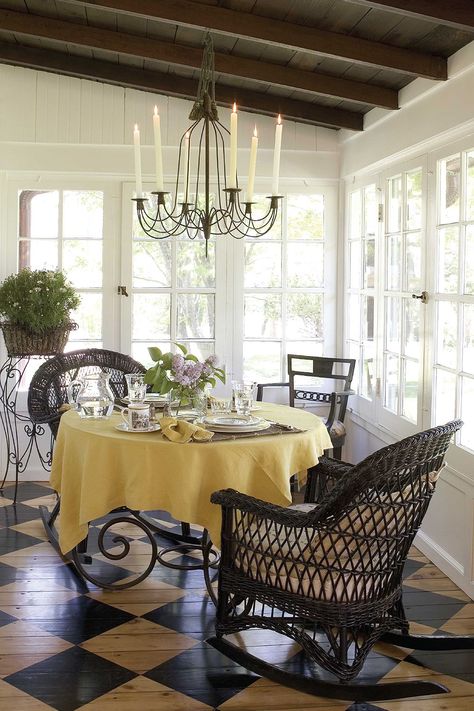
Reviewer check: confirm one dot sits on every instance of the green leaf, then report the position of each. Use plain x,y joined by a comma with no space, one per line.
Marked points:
194,358
155,353
182,348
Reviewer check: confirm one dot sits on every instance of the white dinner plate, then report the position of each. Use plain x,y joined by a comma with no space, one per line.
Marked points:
262,425
123,427
235,421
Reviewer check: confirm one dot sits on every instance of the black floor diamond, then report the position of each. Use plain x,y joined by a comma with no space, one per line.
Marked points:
19,513
79,619
70,679
26,490
194,619
203,673
12,540
430,608
363,706
458,663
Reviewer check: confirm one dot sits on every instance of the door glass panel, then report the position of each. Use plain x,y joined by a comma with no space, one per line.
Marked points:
413,261
414,200
262,265
448,259
394,203
151,317
369,263
393,262
305,215
469,261
262,315
447,324
410,389
412,327
368,370
368,317
356,215
82,214
444,396
39,214
392,378
195,316
88,316
392,324
468,339
354,317
38,254
82,261
194,269
450,181
370,210
151,263
354,264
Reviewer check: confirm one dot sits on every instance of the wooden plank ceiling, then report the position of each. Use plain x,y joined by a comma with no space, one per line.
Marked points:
322,62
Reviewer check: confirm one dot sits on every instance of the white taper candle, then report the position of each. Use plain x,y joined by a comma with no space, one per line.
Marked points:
233,149
185,173
276,156
252,165
138,163
158,154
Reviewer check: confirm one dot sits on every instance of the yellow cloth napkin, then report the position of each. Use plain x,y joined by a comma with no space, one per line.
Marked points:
182,431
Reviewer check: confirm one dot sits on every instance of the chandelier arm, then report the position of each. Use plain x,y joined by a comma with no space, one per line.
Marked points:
156,226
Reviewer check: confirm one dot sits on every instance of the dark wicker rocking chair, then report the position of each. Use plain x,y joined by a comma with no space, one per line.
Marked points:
329,575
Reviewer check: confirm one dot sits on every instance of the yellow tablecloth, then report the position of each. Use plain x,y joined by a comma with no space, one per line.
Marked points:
97,468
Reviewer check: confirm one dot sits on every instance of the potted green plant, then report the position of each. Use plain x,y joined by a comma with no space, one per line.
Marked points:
35,307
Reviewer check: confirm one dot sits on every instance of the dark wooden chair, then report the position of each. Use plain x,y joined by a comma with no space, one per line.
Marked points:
329,576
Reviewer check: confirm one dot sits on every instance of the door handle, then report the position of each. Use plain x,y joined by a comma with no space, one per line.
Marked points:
423,297
122,290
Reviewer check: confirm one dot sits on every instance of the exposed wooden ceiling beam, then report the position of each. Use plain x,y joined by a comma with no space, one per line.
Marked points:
286,34
455,13
146,48
172,85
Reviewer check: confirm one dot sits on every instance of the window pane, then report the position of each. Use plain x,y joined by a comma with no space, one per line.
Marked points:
410,390
392,324
88,316
413,261
368,318
262,316
201,349
262,265
393,262
194,269
151,263
468,339
444,396
82,262
355,215
305,214
304,316
195,316
82,214
354,317
140,351
469,261
370,210
447,324
448,260
369,263
394,203
412,327
260,209
450,177
354,264
151,317
36,254
368,370
470,187
467,398
313,348
262,361
392,377
414,203
305,265
39,214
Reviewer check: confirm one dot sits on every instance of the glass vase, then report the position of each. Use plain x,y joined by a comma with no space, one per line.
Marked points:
186,403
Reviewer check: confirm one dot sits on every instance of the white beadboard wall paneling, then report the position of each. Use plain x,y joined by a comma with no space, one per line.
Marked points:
69,128
48,118
18,103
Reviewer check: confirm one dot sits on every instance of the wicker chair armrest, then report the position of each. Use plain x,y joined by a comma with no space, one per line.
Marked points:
45,419
335,468
231,499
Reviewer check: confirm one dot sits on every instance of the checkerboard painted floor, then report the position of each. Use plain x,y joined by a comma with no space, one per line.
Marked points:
67,645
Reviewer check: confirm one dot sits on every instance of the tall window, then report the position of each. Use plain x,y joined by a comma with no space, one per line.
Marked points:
63,229
284,289
453,367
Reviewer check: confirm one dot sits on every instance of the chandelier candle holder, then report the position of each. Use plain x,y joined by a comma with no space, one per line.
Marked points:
198,214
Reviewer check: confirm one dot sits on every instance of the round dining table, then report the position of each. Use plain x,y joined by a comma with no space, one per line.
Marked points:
97,468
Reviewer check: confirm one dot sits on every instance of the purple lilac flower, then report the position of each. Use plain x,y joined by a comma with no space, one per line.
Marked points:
212,360
177,362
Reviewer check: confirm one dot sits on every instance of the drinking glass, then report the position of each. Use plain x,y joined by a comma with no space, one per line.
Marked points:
243,396
136,387
220,405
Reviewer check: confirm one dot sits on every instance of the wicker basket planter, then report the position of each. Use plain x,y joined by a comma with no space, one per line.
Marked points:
21,342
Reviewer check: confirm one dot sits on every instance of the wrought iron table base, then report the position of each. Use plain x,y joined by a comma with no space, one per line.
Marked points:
81,559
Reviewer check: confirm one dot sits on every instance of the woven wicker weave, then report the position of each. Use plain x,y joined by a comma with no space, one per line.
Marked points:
48,388
21,342
329,576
